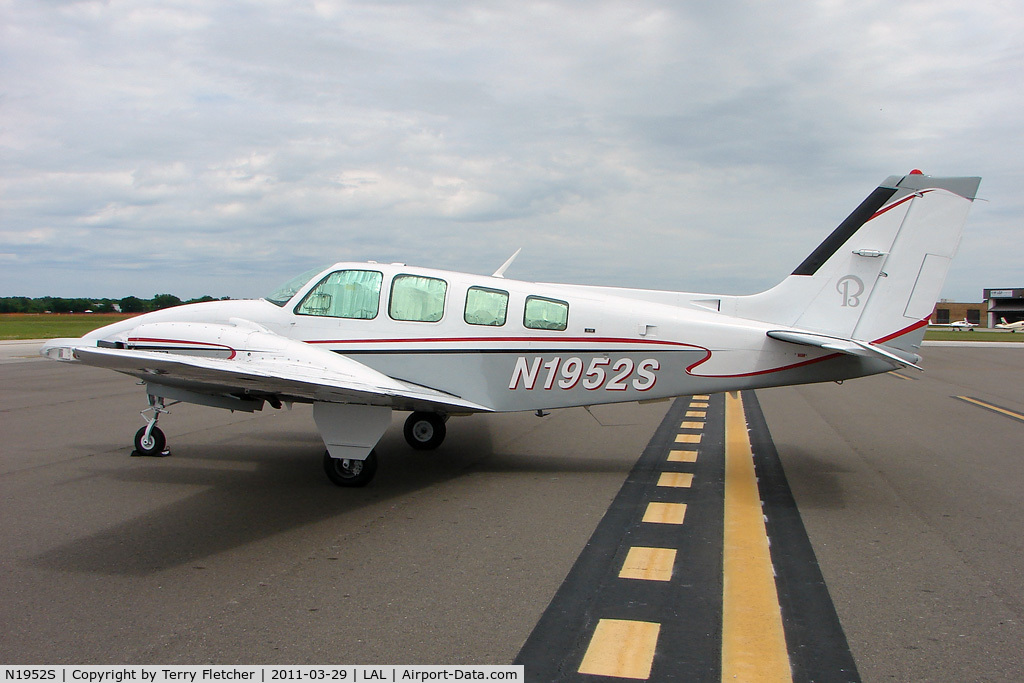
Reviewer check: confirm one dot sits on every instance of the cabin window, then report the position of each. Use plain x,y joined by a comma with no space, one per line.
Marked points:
545,314
420,299
345,294
486,306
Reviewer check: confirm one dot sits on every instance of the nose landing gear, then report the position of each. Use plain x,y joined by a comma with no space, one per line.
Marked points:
150,440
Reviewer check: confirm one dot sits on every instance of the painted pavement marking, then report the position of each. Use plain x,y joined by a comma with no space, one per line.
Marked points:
652,598
682,456
753,639
679,480
649,564
992,407
621,648
665,513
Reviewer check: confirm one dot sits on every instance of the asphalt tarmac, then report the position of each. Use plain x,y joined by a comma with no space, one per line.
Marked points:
238,550
913,502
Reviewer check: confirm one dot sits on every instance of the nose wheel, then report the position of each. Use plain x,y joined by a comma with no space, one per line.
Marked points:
150,441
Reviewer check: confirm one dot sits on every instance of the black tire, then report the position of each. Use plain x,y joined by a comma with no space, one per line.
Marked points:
424,431
348,472
154,446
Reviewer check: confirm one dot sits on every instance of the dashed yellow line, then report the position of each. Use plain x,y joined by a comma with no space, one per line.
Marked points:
753,639
621,648
679,480
682,456
665,513
648,564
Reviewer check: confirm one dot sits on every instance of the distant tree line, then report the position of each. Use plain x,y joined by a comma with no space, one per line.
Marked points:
129,304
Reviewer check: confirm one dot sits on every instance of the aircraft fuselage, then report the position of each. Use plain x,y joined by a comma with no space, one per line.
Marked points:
616,345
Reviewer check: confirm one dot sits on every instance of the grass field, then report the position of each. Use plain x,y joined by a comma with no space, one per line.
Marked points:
977,334
52,325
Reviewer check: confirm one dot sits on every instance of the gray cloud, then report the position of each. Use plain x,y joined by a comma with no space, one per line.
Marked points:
219,148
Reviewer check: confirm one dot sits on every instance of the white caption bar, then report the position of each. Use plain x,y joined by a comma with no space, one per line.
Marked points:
259,674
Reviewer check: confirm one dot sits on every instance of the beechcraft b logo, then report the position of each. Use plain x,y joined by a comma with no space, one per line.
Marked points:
850,288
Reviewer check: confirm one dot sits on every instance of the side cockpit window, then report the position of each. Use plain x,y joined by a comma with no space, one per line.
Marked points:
344,294
418,299
486,306
546,314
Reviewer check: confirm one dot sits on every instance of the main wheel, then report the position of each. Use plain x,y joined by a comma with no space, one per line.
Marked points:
350,472
153,445
424,431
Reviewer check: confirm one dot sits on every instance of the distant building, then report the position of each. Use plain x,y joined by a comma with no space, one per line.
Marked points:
998,304
947,312
1004,303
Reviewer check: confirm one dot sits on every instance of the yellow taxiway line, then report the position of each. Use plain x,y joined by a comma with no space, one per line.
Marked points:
753,639
1003,411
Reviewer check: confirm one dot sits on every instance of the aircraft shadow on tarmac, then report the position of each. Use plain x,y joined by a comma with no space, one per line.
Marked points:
821,477
253,492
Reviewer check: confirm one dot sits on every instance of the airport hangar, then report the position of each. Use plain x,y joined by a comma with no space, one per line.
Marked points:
997,304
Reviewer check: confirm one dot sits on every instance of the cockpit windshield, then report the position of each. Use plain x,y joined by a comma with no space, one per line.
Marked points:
281,295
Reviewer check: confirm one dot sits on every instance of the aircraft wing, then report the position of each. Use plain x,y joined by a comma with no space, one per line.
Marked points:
850,347
272,367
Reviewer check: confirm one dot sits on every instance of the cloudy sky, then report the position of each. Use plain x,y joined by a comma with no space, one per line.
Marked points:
195,147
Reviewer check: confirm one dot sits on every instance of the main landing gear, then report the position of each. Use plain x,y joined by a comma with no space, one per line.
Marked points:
150,440
350,472
347,428
425,431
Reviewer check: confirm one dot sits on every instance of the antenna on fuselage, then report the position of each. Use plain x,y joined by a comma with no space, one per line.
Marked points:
500,272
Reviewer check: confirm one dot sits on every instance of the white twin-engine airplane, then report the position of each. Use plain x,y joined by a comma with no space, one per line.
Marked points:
958,325
359,340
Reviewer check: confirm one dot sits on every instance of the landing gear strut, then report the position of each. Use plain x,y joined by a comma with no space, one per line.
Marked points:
424,431
150,440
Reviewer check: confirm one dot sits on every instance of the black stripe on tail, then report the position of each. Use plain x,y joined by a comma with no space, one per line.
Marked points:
875,201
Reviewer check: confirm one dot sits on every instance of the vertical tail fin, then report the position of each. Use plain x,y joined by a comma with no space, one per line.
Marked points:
881,271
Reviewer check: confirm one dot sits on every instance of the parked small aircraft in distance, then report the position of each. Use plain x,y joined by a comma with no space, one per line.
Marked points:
359,340
1012,327
959,325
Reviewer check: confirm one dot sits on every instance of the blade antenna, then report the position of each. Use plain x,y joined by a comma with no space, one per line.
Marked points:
500,272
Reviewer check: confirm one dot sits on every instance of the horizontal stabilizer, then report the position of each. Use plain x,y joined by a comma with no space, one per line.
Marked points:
850,347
